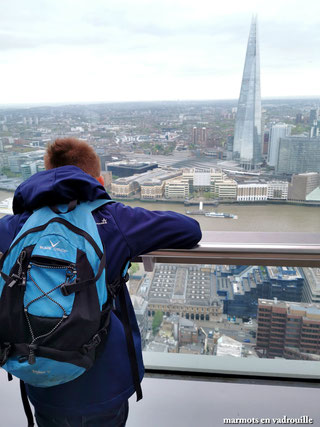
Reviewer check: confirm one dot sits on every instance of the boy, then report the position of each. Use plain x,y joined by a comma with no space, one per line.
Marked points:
99,397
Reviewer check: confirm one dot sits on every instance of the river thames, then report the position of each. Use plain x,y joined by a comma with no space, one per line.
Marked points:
250,217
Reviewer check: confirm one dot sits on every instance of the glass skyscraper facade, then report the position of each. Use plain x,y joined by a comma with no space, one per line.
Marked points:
298,155
247,134
280,130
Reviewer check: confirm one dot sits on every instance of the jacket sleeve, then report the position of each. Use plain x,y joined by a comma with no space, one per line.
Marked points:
146,230
8,225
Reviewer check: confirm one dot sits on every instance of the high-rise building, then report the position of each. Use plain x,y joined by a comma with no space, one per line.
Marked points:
288,329
247,135
298,155
280,130
204,136
313,117
200,136
299,118
315,129
229,144
266,141
194,135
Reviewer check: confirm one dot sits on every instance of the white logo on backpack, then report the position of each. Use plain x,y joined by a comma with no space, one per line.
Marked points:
53,246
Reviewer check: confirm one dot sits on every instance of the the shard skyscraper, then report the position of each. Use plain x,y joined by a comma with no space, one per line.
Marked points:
247,134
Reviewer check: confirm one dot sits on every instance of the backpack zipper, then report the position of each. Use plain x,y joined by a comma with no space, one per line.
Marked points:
50,262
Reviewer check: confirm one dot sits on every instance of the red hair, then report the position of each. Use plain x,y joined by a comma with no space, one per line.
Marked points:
72,151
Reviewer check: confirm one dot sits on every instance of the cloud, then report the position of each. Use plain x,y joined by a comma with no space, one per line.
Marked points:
197,47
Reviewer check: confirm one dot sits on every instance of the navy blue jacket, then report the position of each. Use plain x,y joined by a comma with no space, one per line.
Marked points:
126,232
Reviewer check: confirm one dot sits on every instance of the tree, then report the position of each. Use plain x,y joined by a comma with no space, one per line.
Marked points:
134,268
156,322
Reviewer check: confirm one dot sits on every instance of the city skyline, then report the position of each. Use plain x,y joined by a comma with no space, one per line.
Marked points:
143,51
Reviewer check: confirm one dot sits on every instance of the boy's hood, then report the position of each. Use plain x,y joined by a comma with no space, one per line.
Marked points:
54,186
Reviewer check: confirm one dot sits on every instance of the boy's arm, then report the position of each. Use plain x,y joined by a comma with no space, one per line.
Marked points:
8,225
146,230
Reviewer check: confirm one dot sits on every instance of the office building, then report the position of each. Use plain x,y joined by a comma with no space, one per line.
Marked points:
202,178
200,136
15,161
266,142
311,289
298,155
240,288
302,185
185,291
229,143
278,190
278,131
289,330
28,169
125,187
128,168
150,185
177,188
140,306
226,189
252,192
194,135
285,283
247,135
314,115
204,136
299,118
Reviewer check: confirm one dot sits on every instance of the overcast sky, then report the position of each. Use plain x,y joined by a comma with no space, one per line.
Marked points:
135,50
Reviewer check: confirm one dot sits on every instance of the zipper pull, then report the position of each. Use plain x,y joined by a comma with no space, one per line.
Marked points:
12,283
32,357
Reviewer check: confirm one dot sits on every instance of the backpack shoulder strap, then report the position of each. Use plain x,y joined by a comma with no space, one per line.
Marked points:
129,338
26,404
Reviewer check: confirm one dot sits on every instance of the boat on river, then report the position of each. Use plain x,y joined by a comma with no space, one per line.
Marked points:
220,215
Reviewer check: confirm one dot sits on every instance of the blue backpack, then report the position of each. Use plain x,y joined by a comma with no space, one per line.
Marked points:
55,301
54,305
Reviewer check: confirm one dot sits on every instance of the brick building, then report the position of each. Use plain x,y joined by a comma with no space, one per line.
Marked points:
288,329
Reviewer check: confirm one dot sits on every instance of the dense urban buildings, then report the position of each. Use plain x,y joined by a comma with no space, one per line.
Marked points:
219,315
247,135
231,152
239,288
157,136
